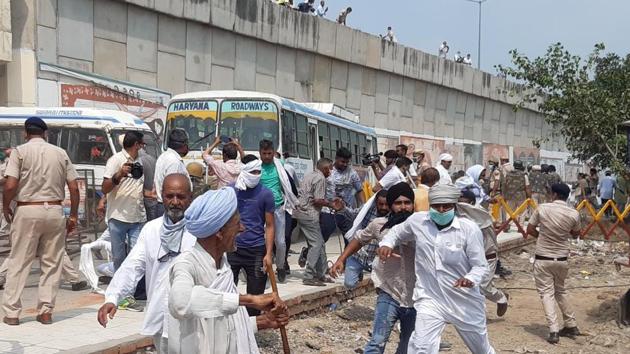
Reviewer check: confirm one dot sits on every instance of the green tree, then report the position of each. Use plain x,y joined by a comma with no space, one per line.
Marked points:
583,100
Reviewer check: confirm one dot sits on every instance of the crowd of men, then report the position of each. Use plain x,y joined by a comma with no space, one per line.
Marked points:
458,58
181,245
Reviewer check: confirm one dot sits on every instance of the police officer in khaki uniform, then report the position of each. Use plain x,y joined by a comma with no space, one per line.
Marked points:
515,188
35,177
557,222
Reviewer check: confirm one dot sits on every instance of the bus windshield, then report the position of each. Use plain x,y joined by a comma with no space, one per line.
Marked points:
250,122
197,118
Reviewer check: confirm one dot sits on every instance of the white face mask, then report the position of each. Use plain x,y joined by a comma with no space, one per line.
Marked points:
246,179
251,180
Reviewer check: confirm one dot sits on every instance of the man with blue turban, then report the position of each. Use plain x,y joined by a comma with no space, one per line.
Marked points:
207,313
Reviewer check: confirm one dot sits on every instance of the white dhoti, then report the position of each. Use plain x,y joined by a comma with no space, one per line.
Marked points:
430,322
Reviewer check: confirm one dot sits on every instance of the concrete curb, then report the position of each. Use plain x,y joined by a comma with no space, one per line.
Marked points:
124,345
300,304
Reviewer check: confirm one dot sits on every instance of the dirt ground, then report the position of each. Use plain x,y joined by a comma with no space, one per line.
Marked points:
595,287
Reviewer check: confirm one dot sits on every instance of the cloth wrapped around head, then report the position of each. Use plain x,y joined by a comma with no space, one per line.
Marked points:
446,157
246,179
209,212
475,172
444,194
397,190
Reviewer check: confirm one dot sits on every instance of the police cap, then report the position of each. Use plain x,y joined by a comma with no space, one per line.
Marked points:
35,122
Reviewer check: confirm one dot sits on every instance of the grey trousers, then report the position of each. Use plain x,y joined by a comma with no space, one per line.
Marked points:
279,219
316,257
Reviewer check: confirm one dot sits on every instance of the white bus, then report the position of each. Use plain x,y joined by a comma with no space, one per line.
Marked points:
305,133
89,136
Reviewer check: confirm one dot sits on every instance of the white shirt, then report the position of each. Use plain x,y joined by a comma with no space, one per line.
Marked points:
445,177
205,316
443,50
168,163
394,176
143,261
126,201
467,61
442,257
321,11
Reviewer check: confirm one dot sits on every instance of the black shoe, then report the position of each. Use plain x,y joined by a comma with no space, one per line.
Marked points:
282,275
104,279
502,308
302,259
553,338
570,332
79,285
313,282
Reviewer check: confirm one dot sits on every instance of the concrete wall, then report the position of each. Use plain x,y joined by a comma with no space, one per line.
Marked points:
187,45
5,31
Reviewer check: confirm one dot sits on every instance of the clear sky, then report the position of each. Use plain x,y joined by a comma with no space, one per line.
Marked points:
527,25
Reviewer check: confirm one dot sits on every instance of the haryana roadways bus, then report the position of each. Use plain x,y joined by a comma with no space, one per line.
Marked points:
305,133
89,136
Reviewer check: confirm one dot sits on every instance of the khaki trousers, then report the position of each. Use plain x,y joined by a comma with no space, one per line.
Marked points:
68,272
550,276
36,231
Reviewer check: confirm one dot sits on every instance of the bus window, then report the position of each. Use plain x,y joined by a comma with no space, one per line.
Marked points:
363,144
197,118
250,122
302,137
11,136
86,146
334,138
288,133
354,147
324,141
152,146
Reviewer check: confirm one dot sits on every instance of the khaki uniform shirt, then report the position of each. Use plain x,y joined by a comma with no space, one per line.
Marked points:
126,201
397,276
556,221
42,170
313,187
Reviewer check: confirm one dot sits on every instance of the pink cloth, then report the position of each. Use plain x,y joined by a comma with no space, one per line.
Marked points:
226,172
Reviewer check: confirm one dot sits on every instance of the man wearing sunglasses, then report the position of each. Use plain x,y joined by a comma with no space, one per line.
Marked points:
153,263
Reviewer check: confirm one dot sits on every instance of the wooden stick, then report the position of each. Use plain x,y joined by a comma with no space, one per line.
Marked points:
274,289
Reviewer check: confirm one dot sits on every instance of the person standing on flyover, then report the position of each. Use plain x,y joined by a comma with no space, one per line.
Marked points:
35,177
557,222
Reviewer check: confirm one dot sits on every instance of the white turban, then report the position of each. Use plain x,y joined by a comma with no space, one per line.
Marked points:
209,212
536,168
446,157
246,179
443,194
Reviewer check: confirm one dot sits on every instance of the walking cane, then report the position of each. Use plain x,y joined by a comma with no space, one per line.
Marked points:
274,289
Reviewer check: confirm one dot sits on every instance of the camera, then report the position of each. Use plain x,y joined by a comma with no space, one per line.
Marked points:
369,159
136,170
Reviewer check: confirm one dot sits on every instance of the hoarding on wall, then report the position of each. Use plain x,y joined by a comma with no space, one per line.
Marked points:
432,148
529,156
473,155
104,98
385,144
495,151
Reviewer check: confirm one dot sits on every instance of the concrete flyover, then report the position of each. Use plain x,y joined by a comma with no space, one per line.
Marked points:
164,47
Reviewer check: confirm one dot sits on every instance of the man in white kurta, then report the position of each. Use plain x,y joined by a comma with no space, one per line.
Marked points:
207,314
444,164
450,265
152,258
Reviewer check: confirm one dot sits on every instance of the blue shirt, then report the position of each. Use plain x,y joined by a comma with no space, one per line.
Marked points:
344,184
253,203
606,187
